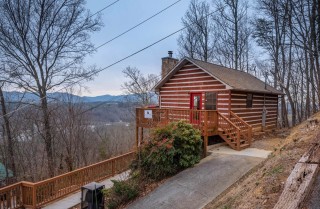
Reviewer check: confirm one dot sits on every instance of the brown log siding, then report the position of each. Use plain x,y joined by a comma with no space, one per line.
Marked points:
253,115
175,93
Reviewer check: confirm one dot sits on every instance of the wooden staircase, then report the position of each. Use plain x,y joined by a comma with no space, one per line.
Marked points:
235,131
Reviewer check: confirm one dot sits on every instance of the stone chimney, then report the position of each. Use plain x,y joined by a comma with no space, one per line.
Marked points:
168,64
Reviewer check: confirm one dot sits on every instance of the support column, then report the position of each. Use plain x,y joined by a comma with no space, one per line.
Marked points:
137,137
205,146
141,136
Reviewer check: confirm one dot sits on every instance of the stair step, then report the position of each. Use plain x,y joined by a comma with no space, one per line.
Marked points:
242,146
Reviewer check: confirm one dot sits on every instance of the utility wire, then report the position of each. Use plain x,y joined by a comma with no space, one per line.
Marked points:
137,25
120,60
104,8
123,33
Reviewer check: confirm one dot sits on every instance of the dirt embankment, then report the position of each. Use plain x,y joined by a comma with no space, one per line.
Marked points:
261,188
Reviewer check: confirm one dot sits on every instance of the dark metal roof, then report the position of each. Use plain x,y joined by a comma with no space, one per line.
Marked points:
233,79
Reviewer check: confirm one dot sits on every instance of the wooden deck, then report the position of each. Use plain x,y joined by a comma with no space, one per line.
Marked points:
36,195
231,128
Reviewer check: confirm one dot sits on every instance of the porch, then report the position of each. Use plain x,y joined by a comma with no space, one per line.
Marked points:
230,127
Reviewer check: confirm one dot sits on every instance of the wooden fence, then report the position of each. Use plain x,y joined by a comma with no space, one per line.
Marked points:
233,129
205,120
34,195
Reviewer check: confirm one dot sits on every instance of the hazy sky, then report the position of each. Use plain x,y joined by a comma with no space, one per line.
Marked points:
120,17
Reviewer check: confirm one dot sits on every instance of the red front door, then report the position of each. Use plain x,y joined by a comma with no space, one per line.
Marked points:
195,104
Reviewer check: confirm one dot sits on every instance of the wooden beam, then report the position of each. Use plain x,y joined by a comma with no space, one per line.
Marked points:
301,179
141,136
297,186
137,136
205,146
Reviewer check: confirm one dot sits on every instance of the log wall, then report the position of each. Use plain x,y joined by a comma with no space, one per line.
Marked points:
253,116
175,93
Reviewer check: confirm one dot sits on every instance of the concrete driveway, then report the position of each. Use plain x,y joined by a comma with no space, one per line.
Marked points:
197,186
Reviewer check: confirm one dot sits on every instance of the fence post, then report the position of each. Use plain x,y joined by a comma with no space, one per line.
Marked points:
216,121
206,123
250,134
238,139
113,167
137,136
167,117
34,197
205,141
137,127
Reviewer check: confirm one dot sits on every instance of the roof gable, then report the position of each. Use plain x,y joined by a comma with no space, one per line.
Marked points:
182,63
233,79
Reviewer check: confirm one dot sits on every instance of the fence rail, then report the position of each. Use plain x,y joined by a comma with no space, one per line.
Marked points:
35,195
205,120
233,129
245,128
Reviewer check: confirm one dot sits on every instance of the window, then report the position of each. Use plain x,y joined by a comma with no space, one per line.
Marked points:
249,100
211,101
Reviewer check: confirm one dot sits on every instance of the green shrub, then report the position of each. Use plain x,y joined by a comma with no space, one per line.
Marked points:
172,148
188,144
121,192
157,159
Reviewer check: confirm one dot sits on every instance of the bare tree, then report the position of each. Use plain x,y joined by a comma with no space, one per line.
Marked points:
43,45
195,41
232,33
140,86
7,130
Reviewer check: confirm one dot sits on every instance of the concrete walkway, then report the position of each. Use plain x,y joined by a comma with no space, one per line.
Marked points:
197,186
74,199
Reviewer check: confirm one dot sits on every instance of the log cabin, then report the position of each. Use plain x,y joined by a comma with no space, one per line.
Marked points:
216,99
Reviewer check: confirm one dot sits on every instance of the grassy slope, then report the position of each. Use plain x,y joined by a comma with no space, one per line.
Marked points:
262,187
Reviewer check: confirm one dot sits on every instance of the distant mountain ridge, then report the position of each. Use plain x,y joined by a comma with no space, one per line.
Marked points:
15,96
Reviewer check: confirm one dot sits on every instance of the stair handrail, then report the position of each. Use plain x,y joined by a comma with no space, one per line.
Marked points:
237,138
242,121
249,132
229,121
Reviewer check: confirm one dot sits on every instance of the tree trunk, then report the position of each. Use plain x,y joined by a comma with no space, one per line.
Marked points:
48,136
236,38
8,135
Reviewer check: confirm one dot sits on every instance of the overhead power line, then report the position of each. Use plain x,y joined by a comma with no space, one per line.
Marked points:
121,60
123,33
104,8
137,25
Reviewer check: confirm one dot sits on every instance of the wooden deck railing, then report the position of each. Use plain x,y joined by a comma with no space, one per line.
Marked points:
245,128
205,120
230,130
235,131
35,195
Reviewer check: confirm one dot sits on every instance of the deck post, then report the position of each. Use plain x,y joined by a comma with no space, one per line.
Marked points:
137,136
167,117
216,121
137,127
34,197
238,140
141,135
250,135
205,146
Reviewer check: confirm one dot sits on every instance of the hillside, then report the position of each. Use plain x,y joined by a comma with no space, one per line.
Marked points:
17,96
263,185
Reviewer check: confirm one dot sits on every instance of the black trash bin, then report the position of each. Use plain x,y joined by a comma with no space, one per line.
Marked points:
92,196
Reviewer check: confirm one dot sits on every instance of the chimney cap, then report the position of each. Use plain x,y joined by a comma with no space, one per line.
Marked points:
170,53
